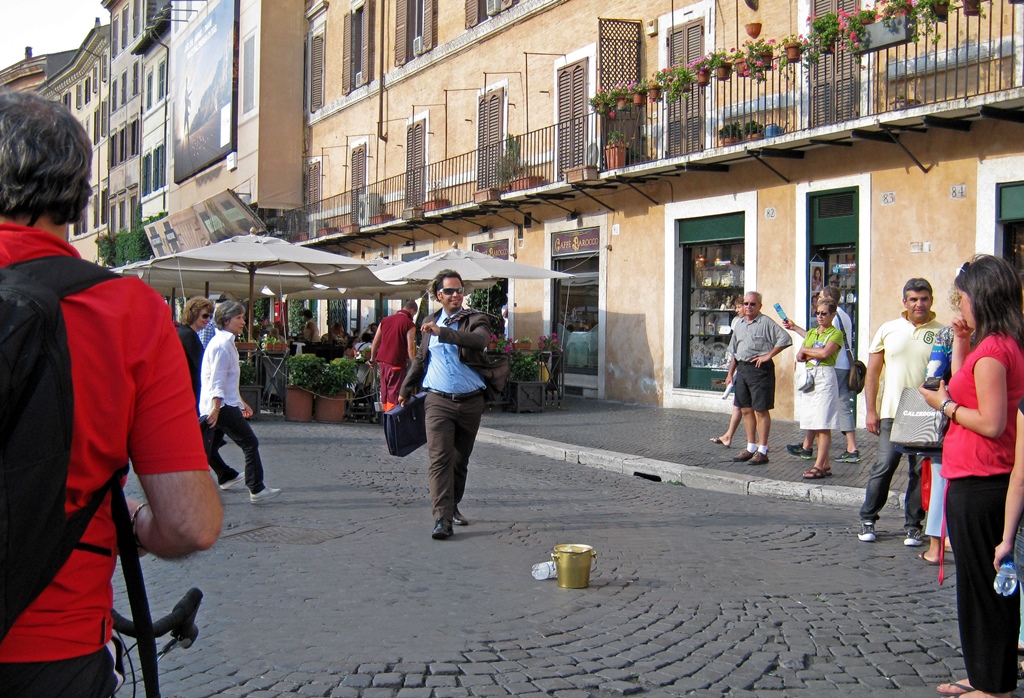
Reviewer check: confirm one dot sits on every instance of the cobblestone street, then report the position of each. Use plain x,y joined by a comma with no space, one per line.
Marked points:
336,588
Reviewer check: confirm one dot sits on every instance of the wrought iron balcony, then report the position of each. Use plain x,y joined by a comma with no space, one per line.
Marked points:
975,64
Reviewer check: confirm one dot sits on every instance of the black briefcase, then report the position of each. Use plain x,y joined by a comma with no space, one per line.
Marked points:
405,427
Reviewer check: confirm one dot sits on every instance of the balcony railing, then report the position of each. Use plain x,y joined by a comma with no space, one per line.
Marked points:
973,57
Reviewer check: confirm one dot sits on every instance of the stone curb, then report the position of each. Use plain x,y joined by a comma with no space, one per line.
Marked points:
686,475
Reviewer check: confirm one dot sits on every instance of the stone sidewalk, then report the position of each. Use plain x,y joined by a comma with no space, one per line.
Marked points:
674,445
336,588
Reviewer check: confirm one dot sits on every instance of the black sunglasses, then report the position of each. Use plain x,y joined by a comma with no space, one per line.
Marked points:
205,316
749,305
452,291
965,267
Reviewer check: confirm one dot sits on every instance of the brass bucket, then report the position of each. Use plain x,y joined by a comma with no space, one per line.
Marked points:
573,562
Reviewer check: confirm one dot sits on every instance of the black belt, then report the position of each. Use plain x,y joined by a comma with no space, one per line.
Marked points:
753,363
456,397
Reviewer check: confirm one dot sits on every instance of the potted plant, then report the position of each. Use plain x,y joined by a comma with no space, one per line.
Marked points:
759,55
823,36
436,204
853,29
304,372
602,101
931,12
753,130
510,164
674,81
247,387
793,46
332,393
640,90
526,390
549,342
615,150
731,133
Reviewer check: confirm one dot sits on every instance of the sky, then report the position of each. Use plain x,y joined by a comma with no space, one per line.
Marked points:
48,26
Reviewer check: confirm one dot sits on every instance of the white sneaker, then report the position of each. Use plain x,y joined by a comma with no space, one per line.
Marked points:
231,483
263,495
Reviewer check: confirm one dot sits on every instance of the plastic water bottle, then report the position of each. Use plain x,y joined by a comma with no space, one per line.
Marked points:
545,570
1006,578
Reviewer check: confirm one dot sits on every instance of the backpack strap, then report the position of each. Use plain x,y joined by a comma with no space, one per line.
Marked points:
135,585
65,275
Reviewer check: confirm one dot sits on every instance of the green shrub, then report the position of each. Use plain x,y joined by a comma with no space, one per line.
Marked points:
337,377
305,371
246,373
524,367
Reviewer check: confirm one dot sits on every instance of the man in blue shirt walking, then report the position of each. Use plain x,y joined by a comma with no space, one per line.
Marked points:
452,338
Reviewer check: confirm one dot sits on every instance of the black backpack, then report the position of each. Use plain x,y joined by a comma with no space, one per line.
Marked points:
36,415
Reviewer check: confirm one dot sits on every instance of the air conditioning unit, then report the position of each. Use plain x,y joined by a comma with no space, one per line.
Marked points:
417,46
359,78
370,205
493,7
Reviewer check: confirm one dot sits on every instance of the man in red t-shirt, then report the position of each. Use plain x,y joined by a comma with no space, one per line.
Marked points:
133,398
394,346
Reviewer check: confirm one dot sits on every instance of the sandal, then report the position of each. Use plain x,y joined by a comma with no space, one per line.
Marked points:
930,562
817,474
718,440
954,689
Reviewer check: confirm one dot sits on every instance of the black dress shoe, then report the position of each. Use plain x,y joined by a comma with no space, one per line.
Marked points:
745,456
442,529
458,519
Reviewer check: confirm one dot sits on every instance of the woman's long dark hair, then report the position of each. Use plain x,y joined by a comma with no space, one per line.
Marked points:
994,287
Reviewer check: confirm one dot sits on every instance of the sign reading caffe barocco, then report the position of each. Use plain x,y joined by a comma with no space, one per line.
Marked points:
495,248
576,242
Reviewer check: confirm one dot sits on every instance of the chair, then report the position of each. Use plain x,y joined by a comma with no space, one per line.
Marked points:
275,381
362,407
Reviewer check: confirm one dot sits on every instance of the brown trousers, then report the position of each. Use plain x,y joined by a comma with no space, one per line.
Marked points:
451,433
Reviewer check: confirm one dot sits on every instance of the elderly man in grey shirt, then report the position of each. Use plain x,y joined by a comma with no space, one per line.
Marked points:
756,339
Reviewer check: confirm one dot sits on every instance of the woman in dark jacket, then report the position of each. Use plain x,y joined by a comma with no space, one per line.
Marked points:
194,318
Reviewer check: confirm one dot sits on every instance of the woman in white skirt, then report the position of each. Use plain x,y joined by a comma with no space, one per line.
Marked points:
819,408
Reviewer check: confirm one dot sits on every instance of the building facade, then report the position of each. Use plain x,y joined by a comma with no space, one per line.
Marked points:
82,85
433,123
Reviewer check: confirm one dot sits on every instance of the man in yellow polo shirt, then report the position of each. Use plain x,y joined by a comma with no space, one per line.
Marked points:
903,347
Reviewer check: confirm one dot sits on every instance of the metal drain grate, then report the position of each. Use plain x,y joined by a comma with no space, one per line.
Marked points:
287,535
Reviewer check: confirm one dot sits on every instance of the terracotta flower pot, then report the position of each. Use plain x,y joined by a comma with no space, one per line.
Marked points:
298,405
724,71
972,8
741,67
330,410
753,29
655,93
621,103
794,53
639,98
941,11
767,58
703,76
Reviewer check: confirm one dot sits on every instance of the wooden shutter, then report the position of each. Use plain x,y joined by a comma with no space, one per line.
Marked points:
358,170
472,13
368,44
415,165
346,53
313,184
834,89
572,116
429,24
686,116
401,22
489,131
316,72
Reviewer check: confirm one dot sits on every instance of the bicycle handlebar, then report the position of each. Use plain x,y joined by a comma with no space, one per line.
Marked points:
180,622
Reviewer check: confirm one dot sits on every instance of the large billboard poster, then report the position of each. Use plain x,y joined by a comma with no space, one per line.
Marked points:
205,89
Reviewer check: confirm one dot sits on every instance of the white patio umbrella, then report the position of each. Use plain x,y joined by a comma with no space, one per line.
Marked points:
248,254
472,266
358,283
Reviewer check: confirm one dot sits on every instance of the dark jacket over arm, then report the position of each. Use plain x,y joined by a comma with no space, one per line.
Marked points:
471,335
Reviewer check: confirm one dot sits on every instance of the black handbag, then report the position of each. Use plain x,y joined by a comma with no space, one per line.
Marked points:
405,427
